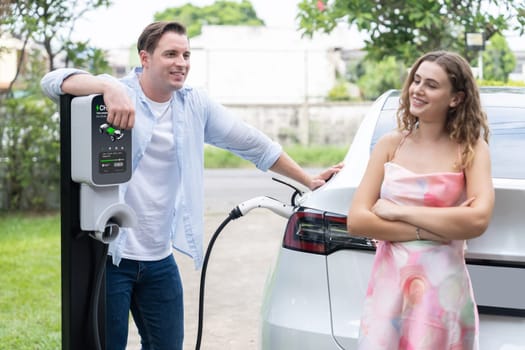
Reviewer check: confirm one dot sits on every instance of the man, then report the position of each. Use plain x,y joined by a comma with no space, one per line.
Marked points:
171,124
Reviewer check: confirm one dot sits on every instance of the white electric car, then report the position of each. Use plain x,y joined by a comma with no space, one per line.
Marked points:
314,296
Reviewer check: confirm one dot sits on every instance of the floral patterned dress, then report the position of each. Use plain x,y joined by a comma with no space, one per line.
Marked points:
420,296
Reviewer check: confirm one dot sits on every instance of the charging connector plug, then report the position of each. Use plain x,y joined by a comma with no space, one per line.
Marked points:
269,203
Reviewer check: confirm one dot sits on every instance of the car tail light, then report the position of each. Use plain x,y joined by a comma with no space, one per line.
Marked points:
318,232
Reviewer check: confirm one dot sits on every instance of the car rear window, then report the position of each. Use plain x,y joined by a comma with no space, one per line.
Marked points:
507,136
507,142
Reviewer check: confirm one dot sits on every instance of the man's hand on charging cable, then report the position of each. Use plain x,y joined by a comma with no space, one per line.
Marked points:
121,110
325,176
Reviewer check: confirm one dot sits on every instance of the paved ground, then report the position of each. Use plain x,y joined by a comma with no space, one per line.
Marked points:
239,265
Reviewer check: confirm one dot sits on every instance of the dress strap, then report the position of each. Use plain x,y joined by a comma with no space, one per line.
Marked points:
405,135
460,158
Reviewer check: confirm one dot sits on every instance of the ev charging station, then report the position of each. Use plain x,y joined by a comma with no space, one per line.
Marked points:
95,158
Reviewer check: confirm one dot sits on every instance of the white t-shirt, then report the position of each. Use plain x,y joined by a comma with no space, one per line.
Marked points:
151,192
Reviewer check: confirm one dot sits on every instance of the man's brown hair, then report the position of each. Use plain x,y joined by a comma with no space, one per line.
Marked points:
149,39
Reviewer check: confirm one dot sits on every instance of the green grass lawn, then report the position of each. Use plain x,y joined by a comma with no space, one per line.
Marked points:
30,282
310,157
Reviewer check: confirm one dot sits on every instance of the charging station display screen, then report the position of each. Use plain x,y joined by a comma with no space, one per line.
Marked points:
112,162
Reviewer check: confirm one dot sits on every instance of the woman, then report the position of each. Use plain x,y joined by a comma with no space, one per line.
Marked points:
427,188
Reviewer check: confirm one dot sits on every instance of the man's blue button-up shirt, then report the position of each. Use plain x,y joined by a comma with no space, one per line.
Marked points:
197,120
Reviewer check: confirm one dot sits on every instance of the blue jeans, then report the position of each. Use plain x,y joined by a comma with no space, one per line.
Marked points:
152,290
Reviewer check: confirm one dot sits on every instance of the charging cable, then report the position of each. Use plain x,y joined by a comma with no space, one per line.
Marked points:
110,232
100,273
242,209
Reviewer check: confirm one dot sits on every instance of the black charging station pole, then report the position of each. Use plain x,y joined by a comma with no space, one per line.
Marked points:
80,255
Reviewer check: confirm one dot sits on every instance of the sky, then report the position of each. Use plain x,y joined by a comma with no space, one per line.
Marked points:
120,25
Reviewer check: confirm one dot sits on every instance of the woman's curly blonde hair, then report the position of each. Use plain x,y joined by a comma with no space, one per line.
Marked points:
466,121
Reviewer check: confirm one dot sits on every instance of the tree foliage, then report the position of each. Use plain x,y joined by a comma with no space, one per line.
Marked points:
340,91
498,59
82,55
378,77
222,12
407,29
29,148
48,23
29,151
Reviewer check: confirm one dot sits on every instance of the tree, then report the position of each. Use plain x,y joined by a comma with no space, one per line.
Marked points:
48,23
82,55
379,77
407,29
29,151
222,12
29,164
498,59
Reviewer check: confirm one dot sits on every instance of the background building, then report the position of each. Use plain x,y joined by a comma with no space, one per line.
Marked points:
247,64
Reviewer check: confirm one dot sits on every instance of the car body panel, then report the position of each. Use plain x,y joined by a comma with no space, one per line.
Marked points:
501,333
349,272
504,239
296,294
